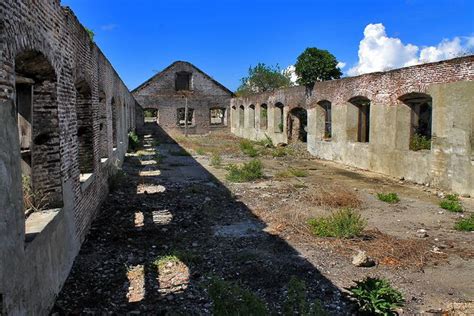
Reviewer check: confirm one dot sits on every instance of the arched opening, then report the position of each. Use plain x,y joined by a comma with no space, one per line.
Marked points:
325,106
218,116
263,116
103,133
252,116
297,125
85,135
151,115
241,116
278,118
38,129
420,120
363,118
113,105
234,116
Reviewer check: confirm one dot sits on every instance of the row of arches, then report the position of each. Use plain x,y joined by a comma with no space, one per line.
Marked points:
357,119
38,119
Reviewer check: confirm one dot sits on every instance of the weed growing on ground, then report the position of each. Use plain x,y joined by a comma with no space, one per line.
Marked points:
335,196
376,297
133,142
267,142
279,152
420,142
465,224
388,197
33,200
216,160
345,223
292,172
200,151
176,256
230,299
451,203
249,171
247,147
161,261
296,302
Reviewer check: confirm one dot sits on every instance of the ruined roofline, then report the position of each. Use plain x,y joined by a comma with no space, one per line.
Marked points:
146,83
456,60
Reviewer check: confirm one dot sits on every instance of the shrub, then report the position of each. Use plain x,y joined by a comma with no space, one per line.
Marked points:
249,171
388,197
451,203
465,224
420,142
345,223
133,141
376,297
279,152
216,160
296,302
248,148
33,200
230,299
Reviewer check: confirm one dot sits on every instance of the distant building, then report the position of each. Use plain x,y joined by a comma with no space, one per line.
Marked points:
165,95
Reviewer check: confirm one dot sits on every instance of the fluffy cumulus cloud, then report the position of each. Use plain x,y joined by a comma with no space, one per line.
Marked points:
378,52
290,71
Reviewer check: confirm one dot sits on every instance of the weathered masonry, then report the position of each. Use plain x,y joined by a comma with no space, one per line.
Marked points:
64,119
415,123
183,97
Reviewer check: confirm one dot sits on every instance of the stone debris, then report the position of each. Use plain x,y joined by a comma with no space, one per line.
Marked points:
361,259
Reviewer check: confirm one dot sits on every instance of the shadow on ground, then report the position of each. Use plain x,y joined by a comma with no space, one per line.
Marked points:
177,208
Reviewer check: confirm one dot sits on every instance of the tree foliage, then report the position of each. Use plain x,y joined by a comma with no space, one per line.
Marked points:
315,65
91,33
263,78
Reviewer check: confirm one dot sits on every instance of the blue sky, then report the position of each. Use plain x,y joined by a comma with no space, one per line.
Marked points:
225,37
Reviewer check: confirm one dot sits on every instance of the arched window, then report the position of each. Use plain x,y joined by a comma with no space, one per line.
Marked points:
252,116
297,125
241,116
325,106
38,128
362,105
278,118
85,135
263,116
420,120
234,116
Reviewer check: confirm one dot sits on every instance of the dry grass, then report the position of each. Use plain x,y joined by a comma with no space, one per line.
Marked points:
218,143
332,196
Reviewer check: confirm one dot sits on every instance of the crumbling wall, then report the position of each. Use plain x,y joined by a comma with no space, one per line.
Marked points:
36,253
205,94
449,164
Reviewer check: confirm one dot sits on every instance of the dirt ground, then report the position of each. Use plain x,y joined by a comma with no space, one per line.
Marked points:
255,234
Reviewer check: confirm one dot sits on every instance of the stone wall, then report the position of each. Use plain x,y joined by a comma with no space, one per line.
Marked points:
72,153
204,94
449,86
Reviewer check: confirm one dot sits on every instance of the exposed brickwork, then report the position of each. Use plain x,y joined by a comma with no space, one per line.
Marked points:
160,93
75,124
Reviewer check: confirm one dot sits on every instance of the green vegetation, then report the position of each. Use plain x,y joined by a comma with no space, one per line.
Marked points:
345,223
176,256
200,151
420,142
315,65
451,203
263,78
249,171
388,197
133,141
292,172
33,200
465,224
162,261
376,297
216,160
267,142
247,147
230,299
297,303
91,33
279,152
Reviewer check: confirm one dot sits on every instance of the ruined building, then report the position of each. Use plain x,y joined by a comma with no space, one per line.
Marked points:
64,118
184,97
415,123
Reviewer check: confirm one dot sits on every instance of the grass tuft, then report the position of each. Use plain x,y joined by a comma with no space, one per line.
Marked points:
451,203
388,197
216,160
465,224
291,172
345,223
247,147
133,142
376,297
419,142
249,171
296,302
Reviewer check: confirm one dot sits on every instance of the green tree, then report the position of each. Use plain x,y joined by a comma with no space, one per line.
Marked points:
315,65
263,78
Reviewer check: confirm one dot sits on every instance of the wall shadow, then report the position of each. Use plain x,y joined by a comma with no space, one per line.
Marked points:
177,208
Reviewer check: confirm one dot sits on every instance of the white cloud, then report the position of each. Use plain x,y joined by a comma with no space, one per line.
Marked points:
378,52
108,27
341,65
291,71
